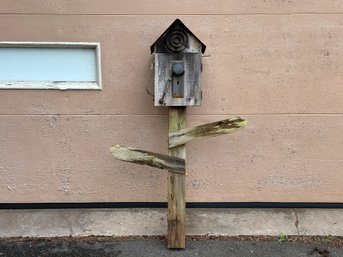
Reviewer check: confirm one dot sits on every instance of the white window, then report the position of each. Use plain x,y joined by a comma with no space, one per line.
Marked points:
50,65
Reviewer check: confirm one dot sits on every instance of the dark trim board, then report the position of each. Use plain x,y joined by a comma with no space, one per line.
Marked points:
101,205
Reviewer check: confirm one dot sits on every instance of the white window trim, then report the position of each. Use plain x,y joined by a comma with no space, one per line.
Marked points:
55,84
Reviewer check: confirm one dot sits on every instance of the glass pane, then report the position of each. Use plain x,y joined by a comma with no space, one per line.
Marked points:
48,64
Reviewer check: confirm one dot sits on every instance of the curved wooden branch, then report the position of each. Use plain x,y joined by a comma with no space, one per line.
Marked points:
217,128
156,160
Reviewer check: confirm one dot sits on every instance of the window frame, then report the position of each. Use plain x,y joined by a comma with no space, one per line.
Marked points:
55,85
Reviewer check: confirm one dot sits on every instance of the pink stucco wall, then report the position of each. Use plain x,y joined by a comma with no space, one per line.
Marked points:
279,64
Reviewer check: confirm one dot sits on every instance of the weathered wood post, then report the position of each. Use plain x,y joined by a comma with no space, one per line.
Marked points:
176,185
177,85
178,67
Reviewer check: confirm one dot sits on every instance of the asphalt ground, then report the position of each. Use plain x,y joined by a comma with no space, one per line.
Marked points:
106,247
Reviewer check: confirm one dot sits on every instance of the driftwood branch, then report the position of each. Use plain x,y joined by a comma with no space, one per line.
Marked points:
217,128
156,160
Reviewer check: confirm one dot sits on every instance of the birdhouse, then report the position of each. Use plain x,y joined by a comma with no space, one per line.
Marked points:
177,63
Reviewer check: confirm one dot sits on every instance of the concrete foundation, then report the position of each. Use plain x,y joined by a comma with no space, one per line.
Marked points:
125,222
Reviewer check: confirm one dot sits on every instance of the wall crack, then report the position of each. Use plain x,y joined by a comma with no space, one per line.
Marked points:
296,223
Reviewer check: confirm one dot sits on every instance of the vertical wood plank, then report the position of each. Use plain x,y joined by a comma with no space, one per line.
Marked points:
176,185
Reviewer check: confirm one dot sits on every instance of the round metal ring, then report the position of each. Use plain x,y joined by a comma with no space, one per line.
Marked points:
177,40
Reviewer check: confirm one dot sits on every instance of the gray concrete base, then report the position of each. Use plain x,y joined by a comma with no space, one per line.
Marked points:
125,222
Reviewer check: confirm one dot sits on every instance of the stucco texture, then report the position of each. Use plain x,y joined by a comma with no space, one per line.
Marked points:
278,64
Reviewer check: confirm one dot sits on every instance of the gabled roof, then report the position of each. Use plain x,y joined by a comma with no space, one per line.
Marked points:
177,24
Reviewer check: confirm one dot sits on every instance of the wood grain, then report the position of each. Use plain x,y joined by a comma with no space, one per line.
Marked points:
191,78
177,186
212,129
156,160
